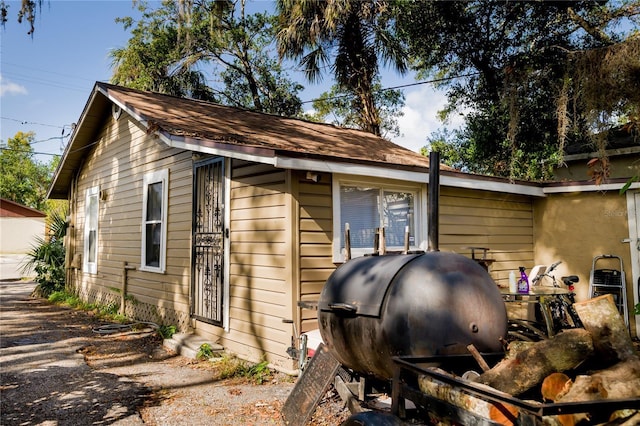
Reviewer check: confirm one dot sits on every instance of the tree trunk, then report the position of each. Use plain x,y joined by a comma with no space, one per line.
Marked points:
517,374
611,339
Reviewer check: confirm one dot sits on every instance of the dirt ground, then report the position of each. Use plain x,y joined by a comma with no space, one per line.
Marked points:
56,370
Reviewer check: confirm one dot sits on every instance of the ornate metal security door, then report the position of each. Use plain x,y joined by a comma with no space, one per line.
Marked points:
207,269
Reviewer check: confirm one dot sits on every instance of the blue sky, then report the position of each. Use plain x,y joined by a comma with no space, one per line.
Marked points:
45,80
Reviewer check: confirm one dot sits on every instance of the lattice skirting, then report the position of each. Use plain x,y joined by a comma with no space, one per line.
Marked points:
137,311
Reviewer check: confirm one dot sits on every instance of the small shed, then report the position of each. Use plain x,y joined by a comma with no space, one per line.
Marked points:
19,227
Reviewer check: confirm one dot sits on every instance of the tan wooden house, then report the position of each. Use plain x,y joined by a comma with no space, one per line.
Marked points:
221,220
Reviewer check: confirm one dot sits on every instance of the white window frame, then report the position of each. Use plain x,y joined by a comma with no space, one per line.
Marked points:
159,176
87,266
420,209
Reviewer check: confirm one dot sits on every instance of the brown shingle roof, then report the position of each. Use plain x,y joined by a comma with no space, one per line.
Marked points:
208,122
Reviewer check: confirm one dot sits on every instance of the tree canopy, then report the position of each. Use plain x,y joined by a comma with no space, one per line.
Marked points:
22,178
534,76
341,108
27,12
352,37
210,50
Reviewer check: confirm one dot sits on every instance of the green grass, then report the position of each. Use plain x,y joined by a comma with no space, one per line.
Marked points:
229,367
107,312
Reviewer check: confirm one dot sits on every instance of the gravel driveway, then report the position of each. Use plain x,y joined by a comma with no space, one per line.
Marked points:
54,370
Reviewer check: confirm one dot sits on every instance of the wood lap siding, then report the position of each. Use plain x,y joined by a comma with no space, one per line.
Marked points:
117,164
501,222
259,289
316,234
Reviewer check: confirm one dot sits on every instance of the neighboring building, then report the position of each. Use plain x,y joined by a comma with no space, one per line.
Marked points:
579,219
20,226
231,217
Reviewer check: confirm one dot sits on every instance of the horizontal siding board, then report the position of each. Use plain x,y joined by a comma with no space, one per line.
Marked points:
256,271
262,213
255,191
258,306
318,225
316,262
316,237
271,332
315,274
273,224
268,248
315,200
322,250
470,230
258,237
261,320
307,188
312,287
309,325
251,295
259,201
267,179
271,260
261,283
316,213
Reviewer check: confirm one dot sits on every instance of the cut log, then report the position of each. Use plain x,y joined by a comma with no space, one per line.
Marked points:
502,413
515,375
601,318
621,381
554,386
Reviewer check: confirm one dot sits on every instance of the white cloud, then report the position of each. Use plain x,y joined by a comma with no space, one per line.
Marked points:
10,88
420,117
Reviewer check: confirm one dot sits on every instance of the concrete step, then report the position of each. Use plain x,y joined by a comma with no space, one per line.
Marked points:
188,344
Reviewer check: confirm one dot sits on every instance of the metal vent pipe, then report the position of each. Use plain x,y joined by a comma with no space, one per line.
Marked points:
433,209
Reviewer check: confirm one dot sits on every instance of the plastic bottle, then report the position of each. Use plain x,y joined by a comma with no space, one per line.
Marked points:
513,285
523,282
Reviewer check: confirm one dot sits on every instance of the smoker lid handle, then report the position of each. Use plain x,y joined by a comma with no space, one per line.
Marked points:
345,307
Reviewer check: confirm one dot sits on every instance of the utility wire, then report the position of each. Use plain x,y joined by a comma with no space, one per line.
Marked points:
403,86
34,123
28,152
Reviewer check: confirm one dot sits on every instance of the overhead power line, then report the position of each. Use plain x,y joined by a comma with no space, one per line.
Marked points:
34,123
28,152
404,86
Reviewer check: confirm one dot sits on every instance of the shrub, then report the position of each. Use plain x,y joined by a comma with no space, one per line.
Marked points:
167,331
46,257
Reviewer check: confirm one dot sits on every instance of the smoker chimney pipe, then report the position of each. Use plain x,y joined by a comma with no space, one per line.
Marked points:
433,200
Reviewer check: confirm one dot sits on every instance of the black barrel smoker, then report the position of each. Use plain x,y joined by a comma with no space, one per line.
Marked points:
436,303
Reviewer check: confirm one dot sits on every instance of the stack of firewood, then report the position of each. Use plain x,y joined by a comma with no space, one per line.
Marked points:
604,347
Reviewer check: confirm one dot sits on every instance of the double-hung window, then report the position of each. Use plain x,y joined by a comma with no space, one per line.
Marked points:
367,206
90,255
154,221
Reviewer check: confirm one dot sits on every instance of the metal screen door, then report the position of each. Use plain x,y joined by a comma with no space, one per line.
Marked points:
207,261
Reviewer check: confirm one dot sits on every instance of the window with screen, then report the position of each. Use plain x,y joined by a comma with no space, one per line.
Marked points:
154,221
366,208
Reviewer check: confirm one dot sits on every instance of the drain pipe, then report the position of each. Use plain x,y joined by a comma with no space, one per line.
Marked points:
123,294
433,209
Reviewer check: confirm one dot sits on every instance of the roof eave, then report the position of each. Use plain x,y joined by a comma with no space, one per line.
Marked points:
69,163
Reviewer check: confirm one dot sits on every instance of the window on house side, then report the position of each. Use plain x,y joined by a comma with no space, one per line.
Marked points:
90,256
154,221
366,207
